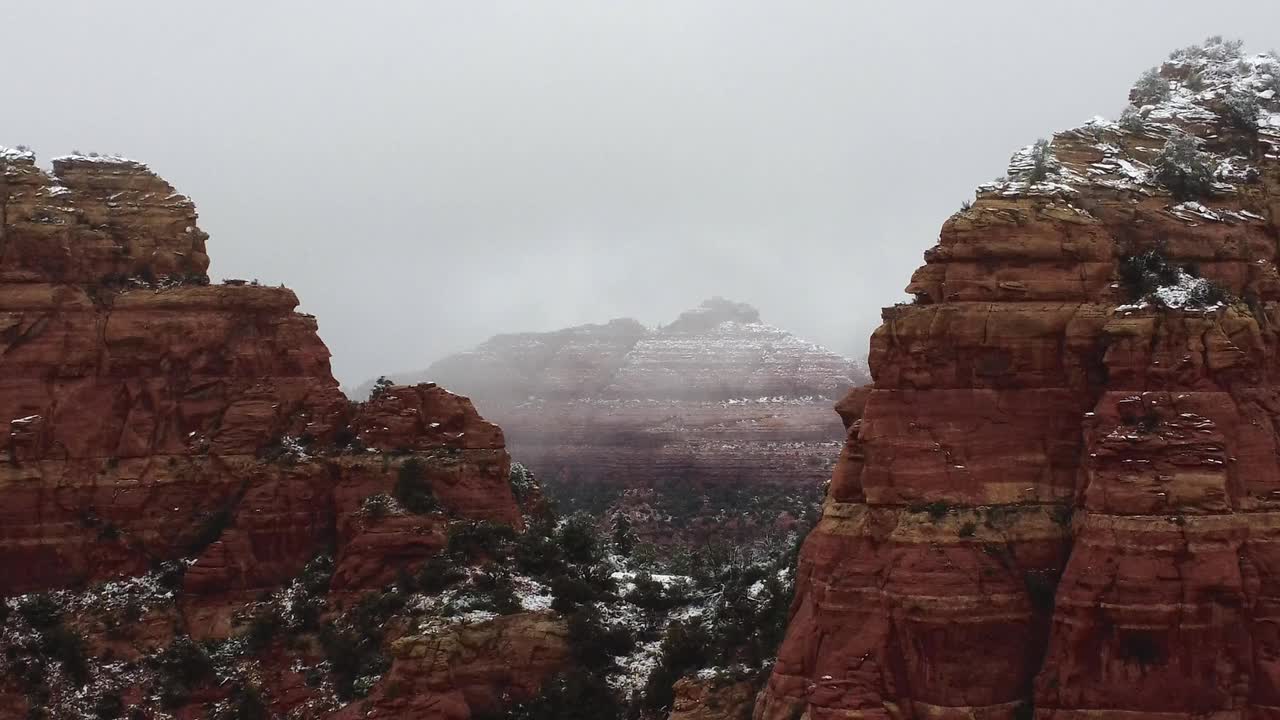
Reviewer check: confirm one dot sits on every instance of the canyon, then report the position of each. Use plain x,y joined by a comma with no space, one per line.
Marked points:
1059,497
717,424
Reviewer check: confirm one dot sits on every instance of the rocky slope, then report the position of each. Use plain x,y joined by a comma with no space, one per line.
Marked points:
1060,497
716,403
177,454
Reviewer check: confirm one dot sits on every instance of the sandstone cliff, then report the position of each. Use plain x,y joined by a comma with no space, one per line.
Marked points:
1060,497
715,403
187,445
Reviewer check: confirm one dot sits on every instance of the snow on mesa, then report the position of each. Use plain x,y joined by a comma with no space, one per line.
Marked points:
104,159
1208,84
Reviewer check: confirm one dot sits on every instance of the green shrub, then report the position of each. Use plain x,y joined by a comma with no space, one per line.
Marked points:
522,482
568,593
1141,275
595,645
40,611
471,541
437,574
577,539
1042,162
623,536
181,667
1150,89
245,703
108,706
1132,120
412,489
355,652
317,574
381,387
376,507
684,647
1242,110
653,595
496,591
1183,169
263,627
937,509
537,554
67,647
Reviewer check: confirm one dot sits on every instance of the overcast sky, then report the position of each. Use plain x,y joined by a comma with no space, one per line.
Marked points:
428,174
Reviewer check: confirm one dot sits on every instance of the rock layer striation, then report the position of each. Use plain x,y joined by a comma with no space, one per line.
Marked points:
1060,497
150,420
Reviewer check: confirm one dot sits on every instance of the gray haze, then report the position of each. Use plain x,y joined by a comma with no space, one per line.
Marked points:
427,174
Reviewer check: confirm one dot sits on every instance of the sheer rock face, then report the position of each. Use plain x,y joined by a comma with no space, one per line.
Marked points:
1060,496
715,398
148,416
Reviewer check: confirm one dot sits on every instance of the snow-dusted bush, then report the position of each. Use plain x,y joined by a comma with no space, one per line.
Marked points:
1142,274
1242,110
1042,162
1184,169
1151,88
1150,277
685,646
1216,48
380,386
1131,119
492,590
181,667
623,537
353,644
577,538
376,507
522,482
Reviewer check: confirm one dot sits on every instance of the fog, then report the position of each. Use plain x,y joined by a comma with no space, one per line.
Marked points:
427,174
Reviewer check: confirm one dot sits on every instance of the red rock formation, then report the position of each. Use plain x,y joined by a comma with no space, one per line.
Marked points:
150,416
1059,497
712,700
471,668
715,400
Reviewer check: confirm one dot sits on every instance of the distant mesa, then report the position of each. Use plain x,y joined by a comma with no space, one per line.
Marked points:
675,426
719,350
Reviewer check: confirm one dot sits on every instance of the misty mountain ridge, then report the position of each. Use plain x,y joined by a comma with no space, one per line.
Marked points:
720,350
